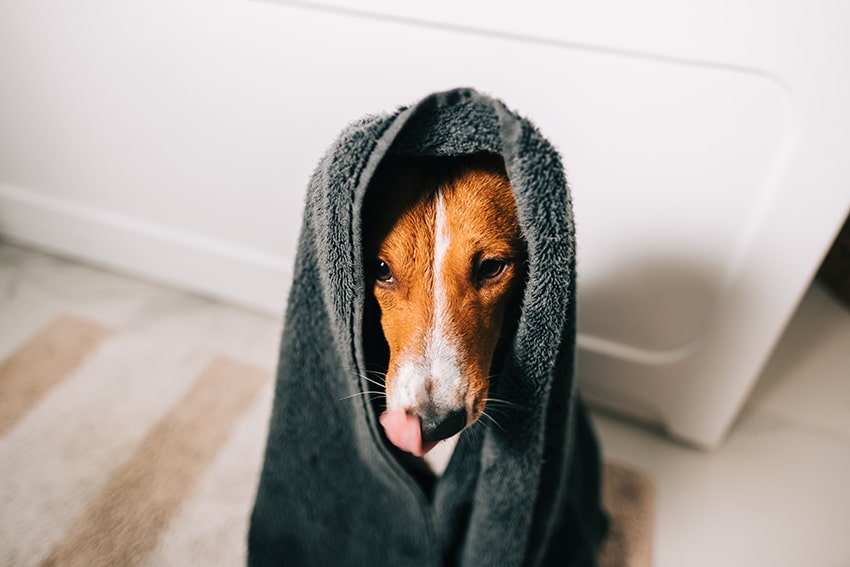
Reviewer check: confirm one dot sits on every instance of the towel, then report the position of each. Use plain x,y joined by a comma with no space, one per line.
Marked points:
333,490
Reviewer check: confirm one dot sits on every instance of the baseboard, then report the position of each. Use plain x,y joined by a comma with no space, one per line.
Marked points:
191,261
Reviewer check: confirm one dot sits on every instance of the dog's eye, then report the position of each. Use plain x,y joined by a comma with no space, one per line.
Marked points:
490,269
383,273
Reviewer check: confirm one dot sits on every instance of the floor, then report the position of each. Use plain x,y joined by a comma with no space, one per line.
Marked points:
777,493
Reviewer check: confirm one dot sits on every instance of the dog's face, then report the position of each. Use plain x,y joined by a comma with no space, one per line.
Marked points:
443,268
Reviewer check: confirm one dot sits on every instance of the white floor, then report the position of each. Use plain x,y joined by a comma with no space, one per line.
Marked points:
777,493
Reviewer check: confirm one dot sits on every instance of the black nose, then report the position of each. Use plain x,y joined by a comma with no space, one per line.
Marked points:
442,427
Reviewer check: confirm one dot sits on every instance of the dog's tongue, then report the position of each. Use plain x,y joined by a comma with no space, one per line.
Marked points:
404,431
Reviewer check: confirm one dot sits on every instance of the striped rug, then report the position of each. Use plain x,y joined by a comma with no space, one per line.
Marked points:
116,450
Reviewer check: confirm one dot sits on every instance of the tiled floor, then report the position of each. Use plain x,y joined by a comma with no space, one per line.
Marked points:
777,493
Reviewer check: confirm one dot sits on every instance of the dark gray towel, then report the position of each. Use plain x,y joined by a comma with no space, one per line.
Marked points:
333,491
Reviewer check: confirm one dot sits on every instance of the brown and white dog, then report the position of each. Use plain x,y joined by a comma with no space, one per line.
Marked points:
445,259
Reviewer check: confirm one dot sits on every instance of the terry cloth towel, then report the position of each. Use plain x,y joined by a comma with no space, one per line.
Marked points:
333,491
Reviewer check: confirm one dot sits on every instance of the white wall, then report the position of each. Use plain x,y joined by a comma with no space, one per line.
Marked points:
158,137
705,145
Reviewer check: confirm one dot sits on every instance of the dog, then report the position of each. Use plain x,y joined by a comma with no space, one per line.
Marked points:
445,261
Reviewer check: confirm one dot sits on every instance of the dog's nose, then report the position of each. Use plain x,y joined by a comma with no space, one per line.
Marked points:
443,426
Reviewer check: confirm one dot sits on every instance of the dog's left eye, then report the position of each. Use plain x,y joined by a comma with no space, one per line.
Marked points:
490,269
383,273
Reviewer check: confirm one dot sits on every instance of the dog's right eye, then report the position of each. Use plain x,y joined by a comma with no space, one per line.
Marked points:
491,269
383,273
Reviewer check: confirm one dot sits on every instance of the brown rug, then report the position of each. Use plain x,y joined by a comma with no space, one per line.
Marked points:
118,451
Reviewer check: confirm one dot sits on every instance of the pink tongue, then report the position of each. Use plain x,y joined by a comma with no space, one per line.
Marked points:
404,431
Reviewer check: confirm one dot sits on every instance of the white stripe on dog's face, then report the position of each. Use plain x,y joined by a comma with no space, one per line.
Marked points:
435,371
440,318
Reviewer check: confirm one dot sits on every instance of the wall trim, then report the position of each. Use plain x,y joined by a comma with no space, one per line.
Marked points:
198,263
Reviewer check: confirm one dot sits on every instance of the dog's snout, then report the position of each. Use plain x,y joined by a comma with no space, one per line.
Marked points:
442,426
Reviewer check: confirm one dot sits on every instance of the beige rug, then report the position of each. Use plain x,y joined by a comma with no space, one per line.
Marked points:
118,451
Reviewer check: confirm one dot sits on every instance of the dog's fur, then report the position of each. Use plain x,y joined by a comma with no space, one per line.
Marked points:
445,257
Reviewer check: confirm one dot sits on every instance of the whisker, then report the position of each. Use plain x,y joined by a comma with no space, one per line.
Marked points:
369,399
375,382
500,411
364,393
478,429
372,380
377,373
496,423
497,401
